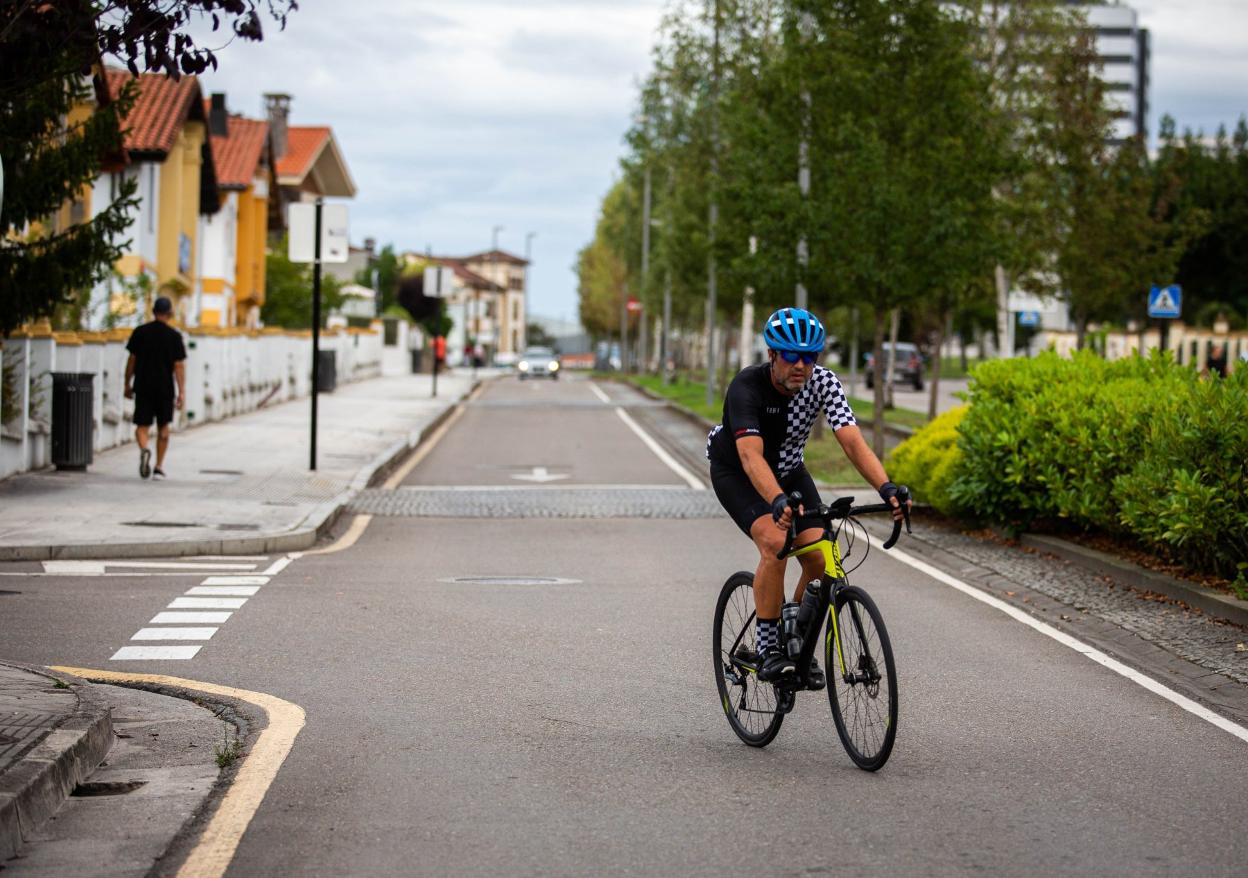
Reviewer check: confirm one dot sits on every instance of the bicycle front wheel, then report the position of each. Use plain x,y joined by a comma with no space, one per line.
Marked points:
862,679
752,707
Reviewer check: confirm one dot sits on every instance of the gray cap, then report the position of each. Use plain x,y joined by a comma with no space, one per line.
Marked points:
162,306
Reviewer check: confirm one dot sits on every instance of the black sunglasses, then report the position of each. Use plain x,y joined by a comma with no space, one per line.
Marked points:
794,356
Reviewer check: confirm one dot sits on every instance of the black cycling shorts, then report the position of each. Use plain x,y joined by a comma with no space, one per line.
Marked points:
737,495
148,408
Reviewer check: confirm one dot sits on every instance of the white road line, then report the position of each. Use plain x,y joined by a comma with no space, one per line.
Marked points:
277,566
692,480
88,568
236,580
206,603
1078,646
189,618
589,486
222,591
174,634
226,558
598,390
155,653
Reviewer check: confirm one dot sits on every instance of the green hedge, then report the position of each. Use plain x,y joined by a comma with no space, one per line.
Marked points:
928,460
1140,446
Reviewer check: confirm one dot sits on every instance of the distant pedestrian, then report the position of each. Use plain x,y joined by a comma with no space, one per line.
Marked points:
1216,364
157,361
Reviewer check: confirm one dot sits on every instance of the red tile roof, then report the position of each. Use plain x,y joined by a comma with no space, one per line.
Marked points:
159,111
303,144
238,155
496,256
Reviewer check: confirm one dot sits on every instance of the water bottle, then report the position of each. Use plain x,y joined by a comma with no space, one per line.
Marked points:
791,635
810,606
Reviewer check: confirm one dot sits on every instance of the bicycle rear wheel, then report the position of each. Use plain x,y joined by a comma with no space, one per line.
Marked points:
862,679
751,707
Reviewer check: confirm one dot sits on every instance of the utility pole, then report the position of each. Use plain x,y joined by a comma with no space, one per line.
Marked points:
805,25
713,217
528,268
645,268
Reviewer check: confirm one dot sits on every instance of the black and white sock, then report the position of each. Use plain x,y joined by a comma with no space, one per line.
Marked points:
768,634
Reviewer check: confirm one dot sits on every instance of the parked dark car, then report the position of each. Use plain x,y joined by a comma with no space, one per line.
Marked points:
907,365
538,363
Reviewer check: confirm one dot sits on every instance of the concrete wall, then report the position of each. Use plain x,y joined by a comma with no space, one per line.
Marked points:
228,372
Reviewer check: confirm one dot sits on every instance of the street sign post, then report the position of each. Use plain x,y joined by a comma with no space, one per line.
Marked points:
318,233
1165,303
438,283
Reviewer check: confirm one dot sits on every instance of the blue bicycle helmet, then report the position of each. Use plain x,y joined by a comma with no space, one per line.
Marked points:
794,329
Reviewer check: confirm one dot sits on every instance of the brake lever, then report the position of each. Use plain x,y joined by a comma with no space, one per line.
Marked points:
903,497
795,500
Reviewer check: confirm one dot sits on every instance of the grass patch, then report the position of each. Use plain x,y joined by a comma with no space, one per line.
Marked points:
228,751
60,684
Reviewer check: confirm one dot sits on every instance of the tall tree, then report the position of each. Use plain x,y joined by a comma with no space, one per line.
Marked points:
52,151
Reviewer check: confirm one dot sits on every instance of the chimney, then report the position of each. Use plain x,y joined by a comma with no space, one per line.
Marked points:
277,109
218,120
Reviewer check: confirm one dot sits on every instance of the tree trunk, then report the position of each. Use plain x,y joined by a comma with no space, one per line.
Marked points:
891,366
940,341
962,351
877,364
1081,331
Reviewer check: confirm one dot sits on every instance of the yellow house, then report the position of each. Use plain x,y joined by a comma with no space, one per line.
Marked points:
234,238
169,153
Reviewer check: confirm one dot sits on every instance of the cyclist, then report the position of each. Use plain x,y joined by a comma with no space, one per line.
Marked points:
756,456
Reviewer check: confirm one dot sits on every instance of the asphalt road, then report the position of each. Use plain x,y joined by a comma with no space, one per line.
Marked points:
572,727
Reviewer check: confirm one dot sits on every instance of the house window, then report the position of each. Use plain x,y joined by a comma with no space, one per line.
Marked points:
516,282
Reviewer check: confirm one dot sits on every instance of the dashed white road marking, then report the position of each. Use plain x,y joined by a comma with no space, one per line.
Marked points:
598,392
277,566
1078,646
235,580
189,618
155,653
245,591
206,603
174,634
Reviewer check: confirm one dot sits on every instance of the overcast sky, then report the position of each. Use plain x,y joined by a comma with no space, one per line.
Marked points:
455,117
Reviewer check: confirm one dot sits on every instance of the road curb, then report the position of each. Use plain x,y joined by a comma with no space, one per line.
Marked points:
1214,603
316,524
33,789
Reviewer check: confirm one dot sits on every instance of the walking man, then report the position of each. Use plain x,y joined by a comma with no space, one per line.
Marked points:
157,360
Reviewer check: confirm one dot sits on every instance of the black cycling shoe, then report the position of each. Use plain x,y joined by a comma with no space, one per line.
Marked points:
815,680
774,664
746,656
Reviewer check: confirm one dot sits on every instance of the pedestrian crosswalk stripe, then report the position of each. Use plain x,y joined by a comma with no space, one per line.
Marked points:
235,580
206,603
155,653
174,634
223,590
188,618
96,568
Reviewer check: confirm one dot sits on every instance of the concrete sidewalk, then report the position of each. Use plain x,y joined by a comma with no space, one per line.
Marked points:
234,487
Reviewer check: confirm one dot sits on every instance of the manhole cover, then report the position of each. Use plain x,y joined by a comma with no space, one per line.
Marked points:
511,580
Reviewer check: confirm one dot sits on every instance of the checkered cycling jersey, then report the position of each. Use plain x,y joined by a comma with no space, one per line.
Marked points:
753,407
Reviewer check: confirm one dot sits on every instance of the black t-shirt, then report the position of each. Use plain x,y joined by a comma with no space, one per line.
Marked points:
753,407
156,347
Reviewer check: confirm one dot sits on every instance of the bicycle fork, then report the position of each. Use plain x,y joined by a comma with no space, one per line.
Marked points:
864,671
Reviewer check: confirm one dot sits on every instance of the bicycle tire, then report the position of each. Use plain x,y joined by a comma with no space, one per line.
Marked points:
751,706
866,719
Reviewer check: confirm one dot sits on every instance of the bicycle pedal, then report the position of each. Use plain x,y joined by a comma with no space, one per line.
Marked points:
785,699
815,682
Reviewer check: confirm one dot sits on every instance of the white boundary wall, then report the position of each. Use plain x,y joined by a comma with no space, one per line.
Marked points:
227,374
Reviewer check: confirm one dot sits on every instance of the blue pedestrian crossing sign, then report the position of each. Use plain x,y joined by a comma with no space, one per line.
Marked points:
1165,301
1028,318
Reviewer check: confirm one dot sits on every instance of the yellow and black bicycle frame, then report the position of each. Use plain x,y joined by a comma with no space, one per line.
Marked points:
833,578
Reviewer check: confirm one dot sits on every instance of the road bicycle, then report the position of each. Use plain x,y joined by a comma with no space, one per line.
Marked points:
858,656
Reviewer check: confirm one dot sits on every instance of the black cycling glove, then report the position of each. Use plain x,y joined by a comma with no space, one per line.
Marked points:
778,506
888,491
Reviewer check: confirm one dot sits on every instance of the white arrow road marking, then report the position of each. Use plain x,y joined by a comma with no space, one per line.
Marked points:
540,474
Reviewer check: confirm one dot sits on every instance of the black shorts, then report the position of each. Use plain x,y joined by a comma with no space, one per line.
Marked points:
737,495
148,408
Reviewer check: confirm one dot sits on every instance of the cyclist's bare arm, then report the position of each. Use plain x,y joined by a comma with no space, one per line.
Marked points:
750,448
864,460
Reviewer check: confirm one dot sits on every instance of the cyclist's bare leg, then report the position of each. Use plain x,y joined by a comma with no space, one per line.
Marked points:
813,562
769,576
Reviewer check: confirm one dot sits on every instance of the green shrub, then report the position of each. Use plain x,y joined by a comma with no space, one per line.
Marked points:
928,460
1139,446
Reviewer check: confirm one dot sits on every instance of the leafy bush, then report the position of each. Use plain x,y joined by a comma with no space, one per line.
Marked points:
1138,446
929,459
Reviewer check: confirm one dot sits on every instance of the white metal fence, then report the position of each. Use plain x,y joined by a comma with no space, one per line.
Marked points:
228,372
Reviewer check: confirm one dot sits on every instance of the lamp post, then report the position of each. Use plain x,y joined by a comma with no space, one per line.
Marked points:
528,258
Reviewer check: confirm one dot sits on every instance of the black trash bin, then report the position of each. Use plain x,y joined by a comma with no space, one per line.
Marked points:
416,358
327,369
73,419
